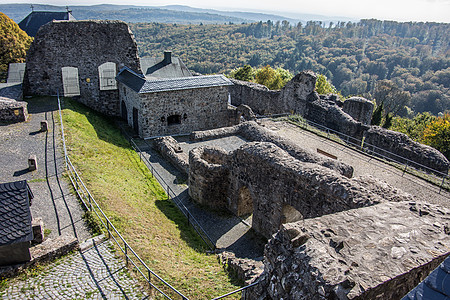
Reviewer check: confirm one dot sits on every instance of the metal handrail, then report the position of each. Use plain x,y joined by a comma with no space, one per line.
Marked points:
237,291
360,145
84,193
175,199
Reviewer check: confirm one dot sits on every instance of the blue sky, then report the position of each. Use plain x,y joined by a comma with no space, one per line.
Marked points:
400,10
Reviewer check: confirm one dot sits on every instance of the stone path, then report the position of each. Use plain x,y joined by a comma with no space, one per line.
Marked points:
91,274
94,273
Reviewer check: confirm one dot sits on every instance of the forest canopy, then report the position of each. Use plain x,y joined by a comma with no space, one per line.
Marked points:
414,58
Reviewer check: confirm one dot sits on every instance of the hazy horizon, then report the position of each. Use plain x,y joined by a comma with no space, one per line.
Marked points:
398,10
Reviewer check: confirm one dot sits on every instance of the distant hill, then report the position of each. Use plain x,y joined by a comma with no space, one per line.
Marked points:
162,14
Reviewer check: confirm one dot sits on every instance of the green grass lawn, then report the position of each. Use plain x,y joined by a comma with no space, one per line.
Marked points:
137,205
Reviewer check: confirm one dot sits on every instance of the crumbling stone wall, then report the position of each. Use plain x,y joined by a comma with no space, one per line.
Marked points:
284,189
376,252
84,45
251,131
171,150
351,118
12,111
209,177
403,147
359,108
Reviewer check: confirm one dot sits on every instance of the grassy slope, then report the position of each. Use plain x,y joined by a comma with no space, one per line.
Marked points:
135,202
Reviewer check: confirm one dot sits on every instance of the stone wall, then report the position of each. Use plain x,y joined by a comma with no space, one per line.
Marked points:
171,150
351,118
251,131
209,177
284,189
359,108
85,45
377,252
12,111
197,109
403,147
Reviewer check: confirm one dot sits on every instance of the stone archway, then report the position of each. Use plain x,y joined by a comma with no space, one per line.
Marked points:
290,214
245,201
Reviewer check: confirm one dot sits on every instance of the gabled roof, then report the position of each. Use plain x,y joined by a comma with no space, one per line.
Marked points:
143,86
155,68
36,19
15,215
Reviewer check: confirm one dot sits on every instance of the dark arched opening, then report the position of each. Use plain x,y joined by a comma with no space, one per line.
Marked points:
123,110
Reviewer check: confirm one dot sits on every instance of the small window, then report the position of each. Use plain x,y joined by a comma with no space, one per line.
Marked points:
173,120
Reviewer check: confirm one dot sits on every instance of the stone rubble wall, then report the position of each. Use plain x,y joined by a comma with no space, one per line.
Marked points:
251,131
84,45
403,147
276,179
170,150
12,111
209,177
352,117
247,270
376,252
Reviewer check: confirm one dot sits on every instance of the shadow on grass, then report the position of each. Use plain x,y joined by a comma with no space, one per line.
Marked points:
103,125
187,233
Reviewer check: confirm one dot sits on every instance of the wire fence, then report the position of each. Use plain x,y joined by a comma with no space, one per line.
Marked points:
408,166
155,282
171,195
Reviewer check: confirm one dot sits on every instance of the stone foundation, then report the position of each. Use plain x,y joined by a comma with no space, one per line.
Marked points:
12,111
377,252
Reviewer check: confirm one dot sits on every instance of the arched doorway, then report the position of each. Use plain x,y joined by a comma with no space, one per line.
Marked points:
124,111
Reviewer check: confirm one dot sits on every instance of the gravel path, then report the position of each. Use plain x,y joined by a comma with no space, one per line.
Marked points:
94,273
363,164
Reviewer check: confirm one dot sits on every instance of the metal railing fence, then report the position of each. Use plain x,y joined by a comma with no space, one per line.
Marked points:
171,195
154,280
438,178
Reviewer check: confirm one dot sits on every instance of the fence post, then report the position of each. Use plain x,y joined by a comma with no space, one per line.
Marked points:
149,279
406,167
442,183
107,228
126,255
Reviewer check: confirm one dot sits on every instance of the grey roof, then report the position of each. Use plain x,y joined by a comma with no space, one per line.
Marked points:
155,68
435,287
144,86
15,215
36,19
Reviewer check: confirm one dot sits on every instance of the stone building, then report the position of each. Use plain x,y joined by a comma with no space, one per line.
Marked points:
173,105
16,231
81,59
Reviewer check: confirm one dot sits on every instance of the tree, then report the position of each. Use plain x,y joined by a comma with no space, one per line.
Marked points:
392,98
14,43
245,73
377,115
437,135
323,86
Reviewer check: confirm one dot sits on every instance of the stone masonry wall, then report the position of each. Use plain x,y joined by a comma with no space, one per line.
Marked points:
84,45
209,177
199,109
280,184
359,108
403,147
376,252
251,131
13,111
171,150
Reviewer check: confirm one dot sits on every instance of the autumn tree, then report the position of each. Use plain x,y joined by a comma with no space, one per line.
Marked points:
14,43
437,134
323,86
392,98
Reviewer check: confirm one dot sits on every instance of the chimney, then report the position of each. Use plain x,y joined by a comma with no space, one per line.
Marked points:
167,57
